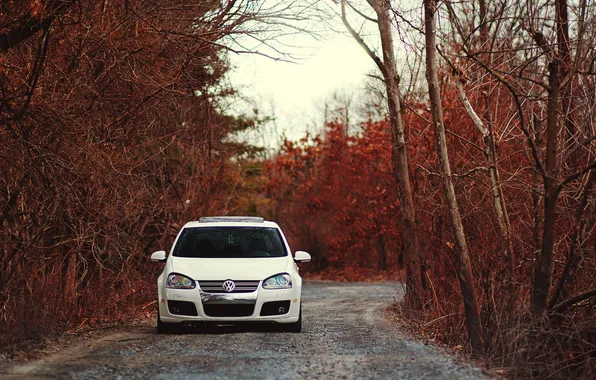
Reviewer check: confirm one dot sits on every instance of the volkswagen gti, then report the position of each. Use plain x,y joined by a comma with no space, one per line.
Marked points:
224,270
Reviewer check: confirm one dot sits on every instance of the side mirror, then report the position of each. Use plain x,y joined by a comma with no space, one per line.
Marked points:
158,256
301,257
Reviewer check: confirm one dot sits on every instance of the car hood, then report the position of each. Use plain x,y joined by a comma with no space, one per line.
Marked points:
202,269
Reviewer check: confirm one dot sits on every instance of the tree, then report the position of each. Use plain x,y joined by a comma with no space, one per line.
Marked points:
113,134
414,257
489,150
545,74
464,274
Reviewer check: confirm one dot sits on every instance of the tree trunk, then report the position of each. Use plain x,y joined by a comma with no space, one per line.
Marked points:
577,251
70,283
488,139
381,253
543,273
490,153
564,48
536,191
465,269
414,258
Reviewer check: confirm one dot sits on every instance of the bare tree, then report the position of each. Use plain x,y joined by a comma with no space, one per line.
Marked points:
464,275
112,133
546,71
414,257
489,150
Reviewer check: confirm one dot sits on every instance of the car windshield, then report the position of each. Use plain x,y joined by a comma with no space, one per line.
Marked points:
230,242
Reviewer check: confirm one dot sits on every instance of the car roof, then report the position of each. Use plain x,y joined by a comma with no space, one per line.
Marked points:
231,221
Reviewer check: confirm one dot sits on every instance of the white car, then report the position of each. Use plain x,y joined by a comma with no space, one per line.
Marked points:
230,270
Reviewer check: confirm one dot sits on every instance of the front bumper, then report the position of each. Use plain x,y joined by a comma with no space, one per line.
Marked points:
257,298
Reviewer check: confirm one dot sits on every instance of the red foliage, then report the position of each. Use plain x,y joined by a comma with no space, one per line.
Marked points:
336,197
335,194
112,137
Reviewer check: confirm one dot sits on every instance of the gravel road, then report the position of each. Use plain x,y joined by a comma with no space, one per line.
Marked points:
343,336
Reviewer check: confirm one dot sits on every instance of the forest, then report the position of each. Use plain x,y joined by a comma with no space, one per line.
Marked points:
471,179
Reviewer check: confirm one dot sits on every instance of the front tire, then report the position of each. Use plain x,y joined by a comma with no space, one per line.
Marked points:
165,328
295,327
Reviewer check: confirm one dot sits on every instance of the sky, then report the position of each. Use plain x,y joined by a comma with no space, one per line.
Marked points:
295,93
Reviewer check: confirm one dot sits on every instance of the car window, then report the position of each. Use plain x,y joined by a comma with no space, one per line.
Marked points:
230,242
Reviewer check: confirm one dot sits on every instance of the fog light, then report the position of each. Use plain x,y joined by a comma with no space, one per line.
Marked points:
275,308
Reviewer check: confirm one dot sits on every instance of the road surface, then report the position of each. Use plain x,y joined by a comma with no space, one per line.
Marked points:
344,336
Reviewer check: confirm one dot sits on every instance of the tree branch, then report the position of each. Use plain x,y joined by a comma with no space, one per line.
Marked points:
575,176
561,307
362,14
520,112
29,24
360,41
457,76
572,258
401,17
465,140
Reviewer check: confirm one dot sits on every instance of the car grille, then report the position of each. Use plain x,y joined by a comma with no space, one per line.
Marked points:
229,310
241,286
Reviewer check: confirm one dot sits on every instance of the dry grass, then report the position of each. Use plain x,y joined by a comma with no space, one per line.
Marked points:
518,348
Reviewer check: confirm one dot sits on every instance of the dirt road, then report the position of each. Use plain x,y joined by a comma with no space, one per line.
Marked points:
343,336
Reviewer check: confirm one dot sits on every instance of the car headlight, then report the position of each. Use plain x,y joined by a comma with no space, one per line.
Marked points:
279,281
178,281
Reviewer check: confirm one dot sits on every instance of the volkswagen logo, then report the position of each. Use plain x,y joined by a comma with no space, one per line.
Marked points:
228,286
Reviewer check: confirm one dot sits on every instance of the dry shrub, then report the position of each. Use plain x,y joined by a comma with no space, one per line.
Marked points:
346,201
112,136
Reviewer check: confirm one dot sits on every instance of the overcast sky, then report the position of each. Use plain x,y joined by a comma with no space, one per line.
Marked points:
295,92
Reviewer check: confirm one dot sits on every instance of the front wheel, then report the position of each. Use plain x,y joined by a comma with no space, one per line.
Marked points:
165,328
295,327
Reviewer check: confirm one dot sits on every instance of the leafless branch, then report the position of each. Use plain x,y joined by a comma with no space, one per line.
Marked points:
563,306
360,41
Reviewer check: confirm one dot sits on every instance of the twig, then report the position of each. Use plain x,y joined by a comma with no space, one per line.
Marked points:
561,307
